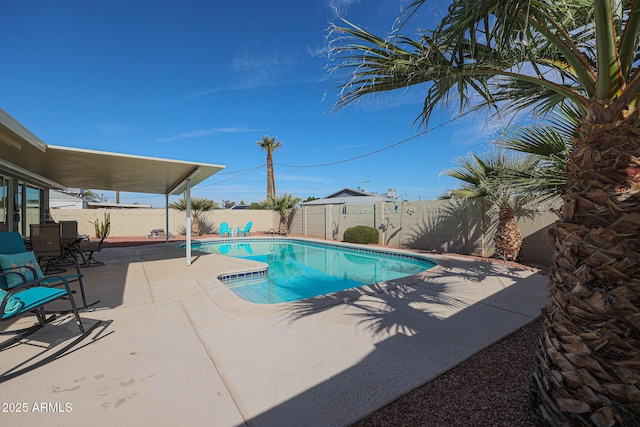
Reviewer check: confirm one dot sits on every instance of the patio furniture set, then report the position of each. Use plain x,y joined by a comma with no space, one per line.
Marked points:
235,231
33,273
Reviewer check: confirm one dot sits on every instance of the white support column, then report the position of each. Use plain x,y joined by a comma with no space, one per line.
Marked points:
187,198
166,218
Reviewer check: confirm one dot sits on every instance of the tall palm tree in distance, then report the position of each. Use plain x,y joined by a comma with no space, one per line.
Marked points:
529,56
270,144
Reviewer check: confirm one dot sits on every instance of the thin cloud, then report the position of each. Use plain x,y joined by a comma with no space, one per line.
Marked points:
243,86
115,128
253,72
306,178
349,147
341,4
317,52
202,133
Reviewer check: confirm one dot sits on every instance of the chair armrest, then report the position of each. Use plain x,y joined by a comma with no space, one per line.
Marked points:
43,281
8,271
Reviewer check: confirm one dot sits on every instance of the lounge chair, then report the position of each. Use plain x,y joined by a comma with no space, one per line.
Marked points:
12,244
224,229
27,292
246,230
157,233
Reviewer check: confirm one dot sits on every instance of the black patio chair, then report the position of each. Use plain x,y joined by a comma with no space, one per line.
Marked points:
46,244
90,261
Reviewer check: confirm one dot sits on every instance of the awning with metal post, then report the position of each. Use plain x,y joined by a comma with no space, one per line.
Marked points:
187,198
24,155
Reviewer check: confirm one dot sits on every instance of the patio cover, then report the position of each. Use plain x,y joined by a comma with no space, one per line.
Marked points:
66,167
24,154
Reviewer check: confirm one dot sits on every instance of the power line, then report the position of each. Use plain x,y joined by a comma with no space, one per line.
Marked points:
356,157
426,131
238,171
244,172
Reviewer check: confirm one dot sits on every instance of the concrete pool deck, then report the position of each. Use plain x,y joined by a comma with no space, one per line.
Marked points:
174,346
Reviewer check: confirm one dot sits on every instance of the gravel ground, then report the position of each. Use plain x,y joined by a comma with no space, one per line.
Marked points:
488,389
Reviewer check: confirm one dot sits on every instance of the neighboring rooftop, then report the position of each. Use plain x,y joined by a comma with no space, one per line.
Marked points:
350,196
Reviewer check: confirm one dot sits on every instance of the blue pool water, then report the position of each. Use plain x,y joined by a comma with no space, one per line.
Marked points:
299,269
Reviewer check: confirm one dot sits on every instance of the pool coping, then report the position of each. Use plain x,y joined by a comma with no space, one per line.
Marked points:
227,300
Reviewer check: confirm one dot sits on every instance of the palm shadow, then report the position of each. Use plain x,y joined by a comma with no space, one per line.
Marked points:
420,326
455,226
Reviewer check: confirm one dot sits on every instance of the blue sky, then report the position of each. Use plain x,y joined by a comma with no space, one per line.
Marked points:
204,80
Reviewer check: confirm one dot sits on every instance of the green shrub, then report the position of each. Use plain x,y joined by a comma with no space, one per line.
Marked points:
361,234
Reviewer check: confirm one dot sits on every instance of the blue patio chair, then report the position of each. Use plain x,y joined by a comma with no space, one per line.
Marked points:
14,256
11,242
29,293
224,229
246,230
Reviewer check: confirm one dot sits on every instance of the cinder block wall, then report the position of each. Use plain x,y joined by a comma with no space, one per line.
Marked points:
139,222
443,226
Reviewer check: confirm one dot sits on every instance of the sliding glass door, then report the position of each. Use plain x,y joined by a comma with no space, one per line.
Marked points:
28,207
4,204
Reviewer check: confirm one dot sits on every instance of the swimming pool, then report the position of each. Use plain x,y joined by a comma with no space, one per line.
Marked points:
300,269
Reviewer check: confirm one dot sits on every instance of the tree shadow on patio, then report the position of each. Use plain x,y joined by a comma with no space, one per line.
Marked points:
418,328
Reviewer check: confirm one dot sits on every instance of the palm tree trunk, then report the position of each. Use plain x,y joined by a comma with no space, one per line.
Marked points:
271,186
508,238
588,369
283,224
195,226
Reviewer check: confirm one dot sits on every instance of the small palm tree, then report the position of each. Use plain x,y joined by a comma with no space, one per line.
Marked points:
198,206
282,205
270,144
489,178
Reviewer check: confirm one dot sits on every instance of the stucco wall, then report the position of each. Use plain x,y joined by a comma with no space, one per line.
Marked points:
441,226
139,222
444,226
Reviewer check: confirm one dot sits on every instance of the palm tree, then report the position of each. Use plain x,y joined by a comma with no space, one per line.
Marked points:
549,142
529,56
489,178
198,206
270,144
282,205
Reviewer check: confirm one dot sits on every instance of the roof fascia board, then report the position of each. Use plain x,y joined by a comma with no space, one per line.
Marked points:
25,134
28,175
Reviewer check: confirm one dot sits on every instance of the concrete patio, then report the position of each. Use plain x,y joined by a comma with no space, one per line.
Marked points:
173,346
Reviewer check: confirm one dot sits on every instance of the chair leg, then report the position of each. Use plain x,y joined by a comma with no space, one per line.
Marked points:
41,315
84,296
75,313
91,261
